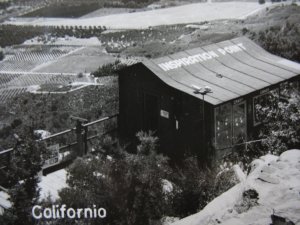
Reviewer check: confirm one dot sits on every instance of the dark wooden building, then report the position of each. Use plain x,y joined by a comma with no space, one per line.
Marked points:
165,95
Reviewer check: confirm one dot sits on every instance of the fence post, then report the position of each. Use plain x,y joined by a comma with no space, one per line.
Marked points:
118,126
80,138
85,139
80,135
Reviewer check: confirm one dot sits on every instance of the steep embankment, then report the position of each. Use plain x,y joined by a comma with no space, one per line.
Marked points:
272,187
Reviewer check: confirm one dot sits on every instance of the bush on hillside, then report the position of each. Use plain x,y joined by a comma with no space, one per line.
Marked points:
195,187
128,186
22,180
1,55
281,130
282,40
109,69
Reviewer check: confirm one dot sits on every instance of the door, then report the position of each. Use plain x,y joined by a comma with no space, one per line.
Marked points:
239,123
151,115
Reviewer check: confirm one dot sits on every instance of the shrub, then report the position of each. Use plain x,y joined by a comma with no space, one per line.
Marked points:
128,186
195,187
80,75
15,123
282,40
22,179
281,121
245,30
148,143
250,199
109,69
1,55
5,131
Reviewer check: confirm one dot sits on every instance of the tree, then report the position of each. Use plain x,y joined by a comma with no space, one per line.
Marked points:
128,186
109,69
282,40
1,55
281,120
22,179
148,143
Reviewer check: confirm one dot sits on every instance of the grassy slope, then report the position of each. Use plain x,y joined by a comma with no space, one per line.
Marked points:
278,31
280,25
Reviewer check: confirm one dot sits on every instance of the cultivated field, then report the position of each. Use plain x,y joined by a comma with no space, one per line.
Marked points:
191,13
6,94
30,79
26,58
62,10
85,60
49,67
13,84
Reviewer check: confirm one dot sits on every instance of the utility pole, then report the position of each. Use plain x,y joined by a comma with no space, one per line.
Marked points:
203,91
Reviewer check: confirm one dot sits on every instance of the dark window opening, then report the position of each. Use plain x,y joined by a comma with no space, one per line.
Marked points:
223,126
239,123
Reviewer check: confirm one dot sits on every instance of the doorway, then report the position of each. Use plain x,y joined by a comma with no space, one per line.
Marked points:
151,115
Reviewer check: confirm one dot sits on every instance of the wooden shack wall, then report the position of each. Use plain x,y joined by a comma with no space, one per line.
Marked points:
252,128
179,114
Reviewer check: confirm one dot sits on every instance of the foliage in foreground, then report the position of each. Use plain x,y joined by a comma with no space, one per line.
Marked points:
281,120
134,188
128,186
22,179
141,188
1,54
279,127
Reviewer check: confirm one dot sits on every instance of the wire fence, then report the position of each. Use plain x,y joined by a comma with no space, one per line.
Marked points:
243,150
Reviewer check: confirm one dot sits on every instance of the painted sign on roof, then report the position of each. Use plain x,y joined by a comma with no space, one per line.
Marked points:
185,61
232,68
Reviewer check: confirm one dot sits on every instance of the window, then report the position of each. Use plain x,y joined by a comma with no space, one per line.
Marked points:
263,100
223,125
287,87
239,123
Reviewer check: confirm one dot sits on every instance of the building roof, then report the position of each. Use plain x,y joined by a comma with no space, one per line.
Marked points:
230,68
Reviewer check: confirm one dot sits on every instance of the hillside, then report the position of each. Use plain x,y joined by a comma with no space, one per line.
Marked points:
277,29
191,13
51,112
271,188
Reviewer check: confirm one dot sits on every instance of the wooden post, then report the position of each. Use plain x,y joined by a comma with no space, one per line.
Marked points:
81,135
85,139
80,138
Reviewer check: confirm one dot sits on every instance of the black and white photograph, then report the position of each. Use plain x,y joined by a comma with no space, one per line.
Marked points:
149,112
